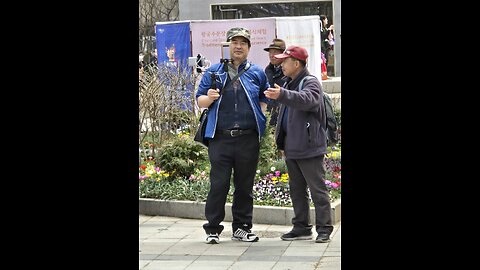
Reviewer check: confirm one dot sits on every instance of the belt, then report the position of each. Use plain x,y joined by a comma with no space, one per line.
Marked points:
235,132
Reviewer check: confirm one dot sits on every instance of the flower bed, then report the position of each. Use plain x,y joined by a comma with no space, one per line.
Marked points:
270,188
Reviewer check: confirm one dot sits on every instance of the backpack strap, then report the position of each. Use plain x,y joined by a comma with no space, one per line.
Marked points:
247,66
300,85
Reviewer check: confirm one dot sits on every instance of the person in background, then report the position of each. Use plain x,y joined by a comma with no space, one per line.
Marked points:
274,74
140,71
326,36
154,58
141,65
236,123
141,59
300,134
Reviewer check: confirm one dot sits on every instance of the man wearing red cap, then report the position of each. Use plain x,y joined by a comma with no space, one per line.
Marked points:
301,136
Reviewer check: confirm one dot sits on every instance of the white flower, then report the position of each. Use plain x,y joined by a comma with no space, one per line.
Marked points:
272,169
258,171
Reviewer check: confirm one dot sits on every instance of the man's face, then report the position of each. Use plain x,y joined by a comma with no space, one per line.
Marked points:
273,60
290,66
239,49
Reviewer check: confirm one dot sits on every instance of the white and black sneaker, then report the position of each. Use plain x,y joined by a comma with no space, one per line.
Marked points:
244,235
212,238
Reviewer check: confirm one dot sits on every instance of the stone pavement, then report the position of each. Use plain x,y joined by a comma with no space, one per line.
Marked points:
173,243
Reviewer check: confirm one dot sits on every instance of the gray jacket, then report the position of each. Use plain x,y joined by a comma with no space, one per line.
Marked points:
305,136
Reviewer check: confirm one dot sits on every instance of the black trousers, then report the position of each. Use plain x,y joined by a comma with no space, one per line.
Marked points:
239,154
303,173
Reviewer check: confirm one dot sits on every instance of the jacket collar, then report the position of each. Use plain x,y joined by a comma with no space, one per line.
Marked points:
293,84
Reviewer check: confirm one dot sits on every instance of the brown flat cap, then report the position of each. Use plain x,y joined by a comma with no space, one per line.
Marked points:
278,44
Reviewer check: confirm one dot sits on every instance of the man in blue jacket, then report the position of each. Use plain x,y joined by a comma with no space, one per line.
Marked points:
236,122
300,134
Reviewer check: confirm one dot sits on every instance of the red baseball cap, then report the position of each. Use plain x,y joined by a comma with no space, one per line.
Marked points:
294,51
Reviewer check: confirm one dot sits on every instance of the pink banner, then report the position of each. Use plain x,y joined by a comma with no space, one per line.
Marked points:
207,36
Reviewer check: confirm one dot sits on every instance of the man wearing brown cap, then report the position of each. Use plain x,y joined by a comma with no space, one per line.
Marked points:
236,122
274,74
300,134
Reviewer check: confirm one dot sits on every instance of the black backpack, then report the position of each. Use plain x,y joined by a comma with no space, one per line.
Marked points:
331,125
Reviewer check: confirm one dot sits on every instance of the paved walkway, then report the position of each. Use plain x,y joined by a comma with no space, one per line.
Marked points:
171,243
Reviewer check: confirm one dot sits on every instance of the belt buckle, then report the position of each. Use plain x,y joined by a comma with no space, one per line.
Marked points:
234,132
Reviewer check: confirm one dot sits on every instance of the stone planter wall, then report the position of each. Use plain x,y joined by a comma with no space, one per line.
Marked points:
196,210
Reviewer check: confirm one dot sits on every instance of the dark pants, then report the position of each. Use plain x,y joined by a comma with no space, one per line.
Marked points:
273,108
309,173
227,153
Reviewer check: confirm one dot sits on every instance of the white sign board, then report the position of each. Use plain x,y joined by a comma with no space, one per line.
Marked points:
303,31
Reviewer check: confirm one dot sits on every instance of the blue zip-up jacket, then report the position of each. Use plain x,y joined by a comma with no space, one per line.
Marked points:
254,82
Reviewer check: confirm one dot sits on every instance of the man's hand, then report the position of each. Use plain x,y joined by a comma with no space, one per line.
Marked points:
273,93
213,94
204,101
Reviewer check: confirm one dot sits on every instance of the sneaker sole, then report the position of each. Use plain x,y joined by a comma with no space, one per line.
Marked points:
240,239
297,238
213,241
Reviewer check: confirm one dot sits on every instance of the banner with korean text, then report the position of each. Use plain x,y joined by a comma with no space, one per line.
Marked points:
207,36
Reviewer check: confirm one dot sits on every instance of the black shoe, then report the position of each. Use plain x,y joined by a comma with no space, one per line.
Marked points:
323,238
290,236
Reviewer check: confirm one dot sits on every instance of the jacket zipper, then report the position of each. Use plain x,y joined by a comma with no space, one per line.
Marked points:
308,131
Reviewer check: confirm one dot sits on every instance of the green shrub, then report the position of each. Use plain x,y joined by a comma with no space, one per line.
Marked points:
183,190
268,147
180,156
